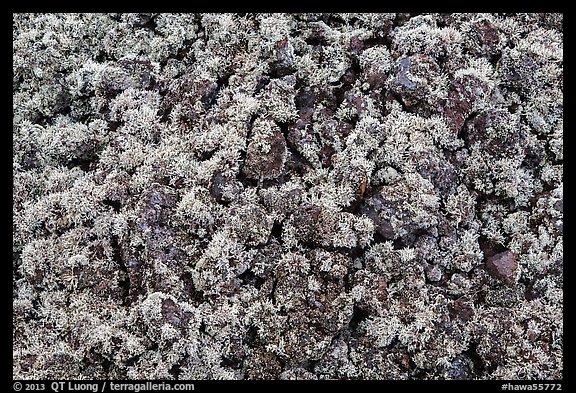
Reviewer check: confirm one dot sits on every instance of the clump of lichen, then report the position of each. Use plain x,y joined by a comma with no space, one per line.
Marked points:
288,196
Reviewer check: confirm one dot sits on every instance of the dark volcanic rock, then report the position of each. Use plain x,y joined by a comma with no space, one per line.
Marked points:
502,266
266,164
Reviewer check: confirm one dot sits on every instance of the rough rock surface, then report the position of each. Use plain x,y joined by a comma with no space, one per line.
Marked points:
502,266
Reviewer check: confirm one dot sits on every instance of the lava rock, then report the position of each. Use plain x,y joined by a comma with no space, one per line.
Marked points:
223,187
502,266
464,91
284,64
488,36
413,82
372,209
266,164
499,133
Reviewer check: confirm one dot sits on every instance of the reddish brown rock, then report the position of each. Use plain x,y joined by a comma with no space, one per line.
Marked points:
269,165
460,309
488,36
464,91
502,266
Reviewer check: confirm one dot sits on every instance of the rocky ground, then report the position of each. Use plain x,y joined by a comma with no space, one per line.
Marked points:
302,196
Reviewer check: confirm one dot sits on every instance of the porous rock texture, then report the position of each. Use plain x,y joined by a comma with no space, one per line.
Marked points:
287,196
